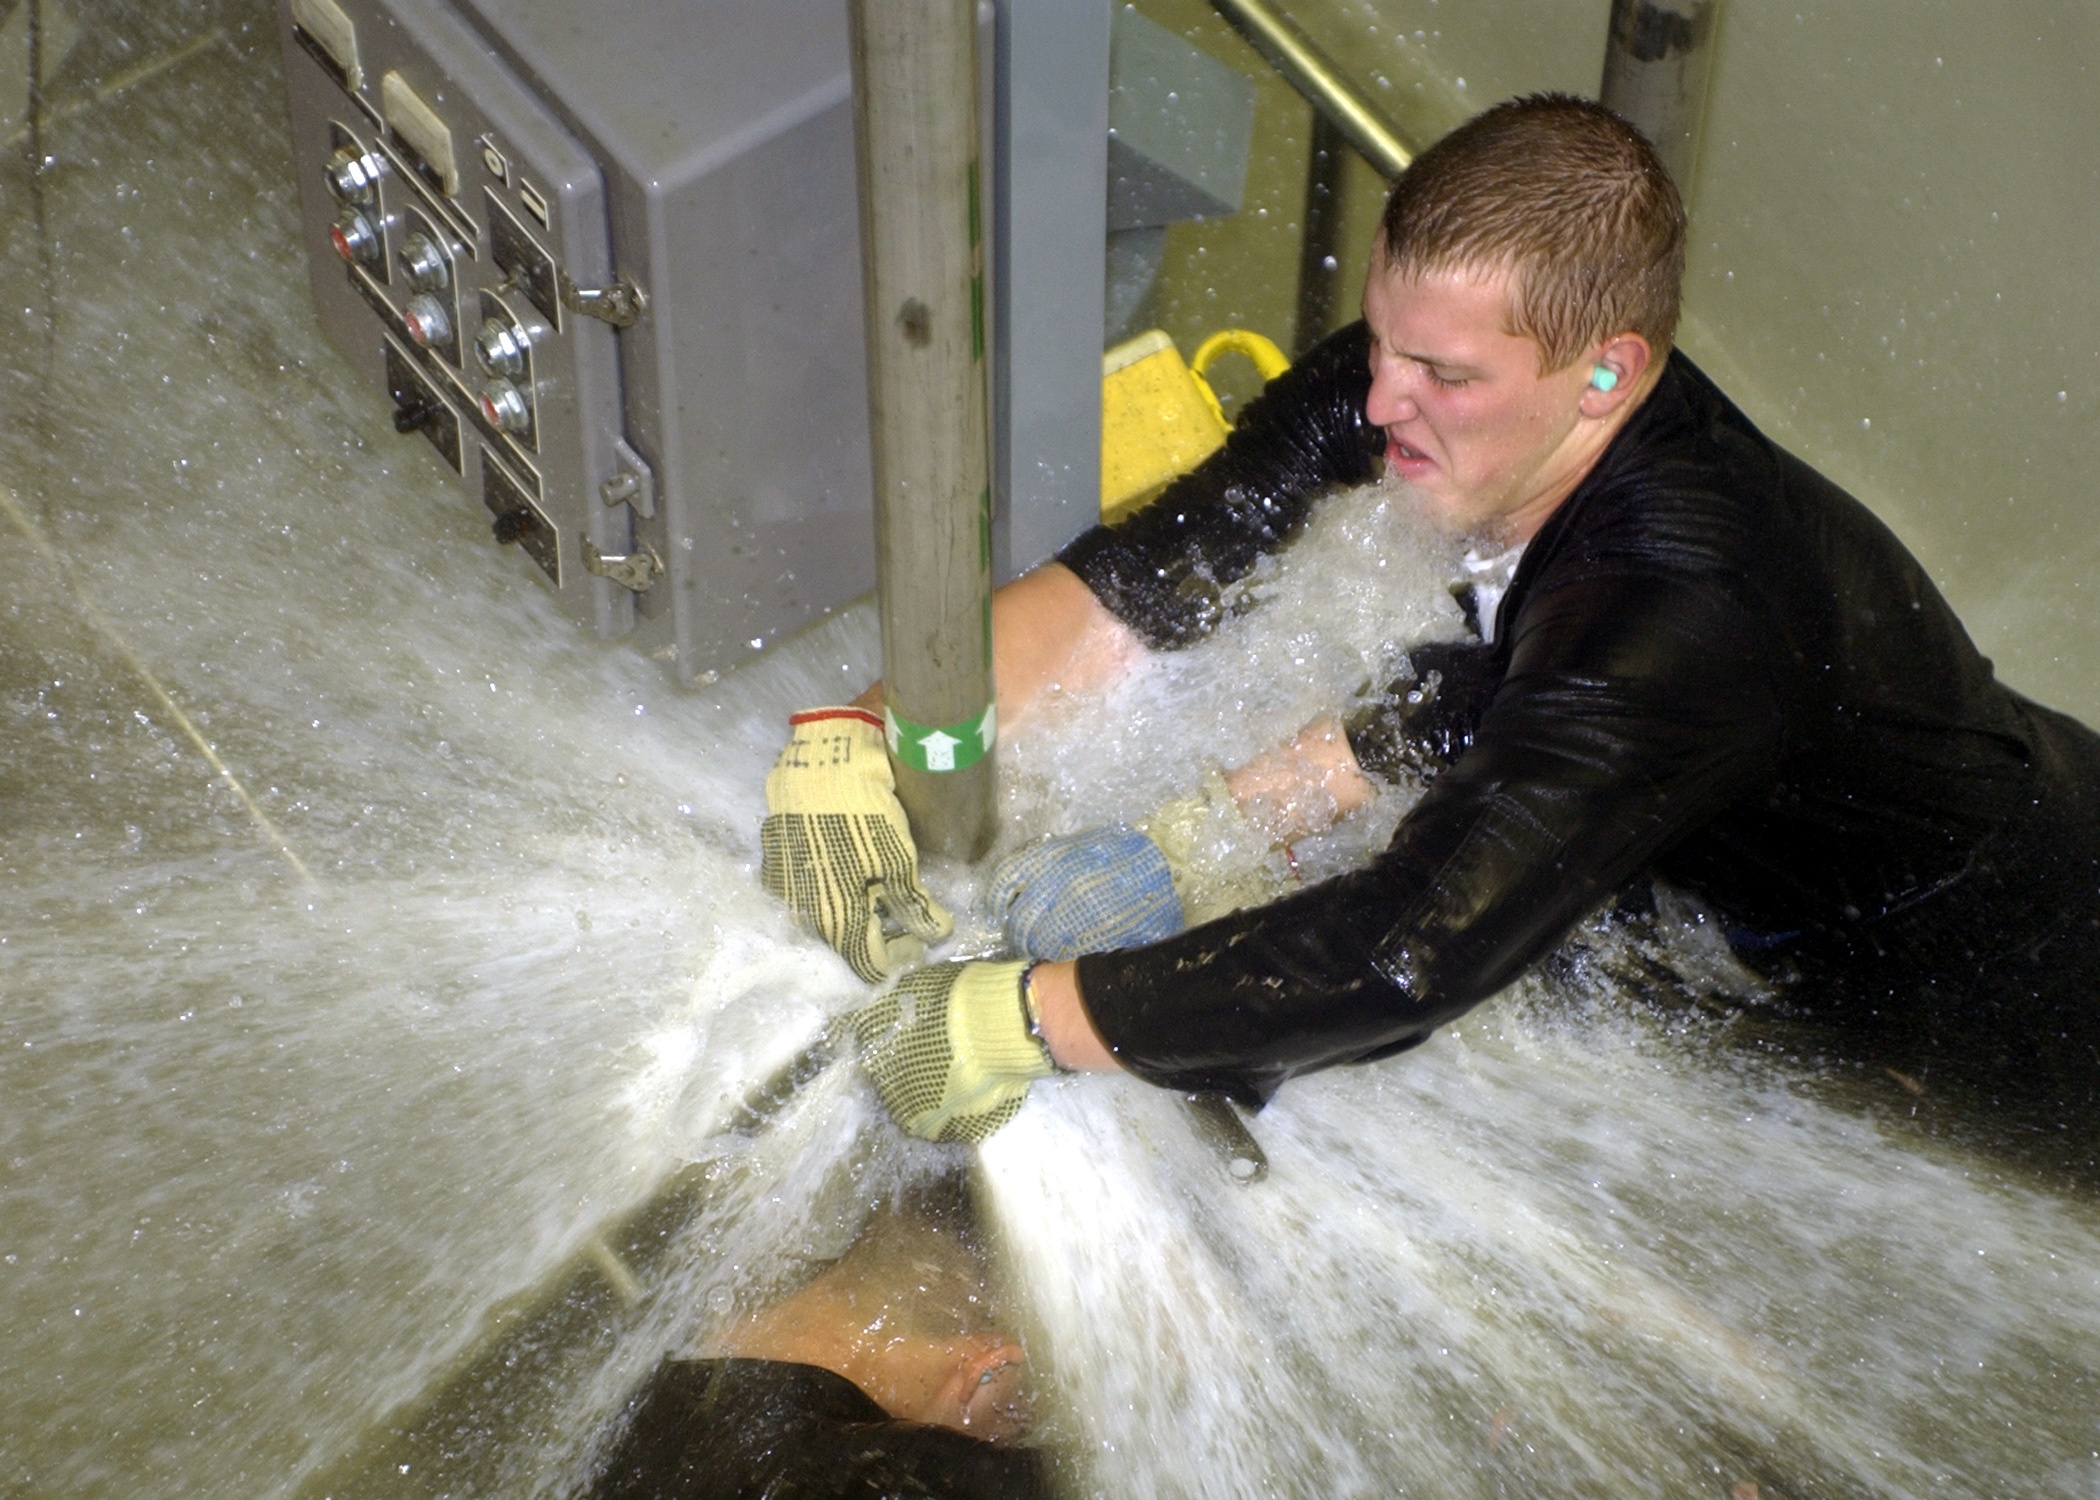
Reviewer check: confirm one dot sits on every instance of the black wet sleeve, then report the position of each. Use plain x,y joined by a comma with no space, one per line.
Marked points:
1425,720
1635,706
1162,571
727,1429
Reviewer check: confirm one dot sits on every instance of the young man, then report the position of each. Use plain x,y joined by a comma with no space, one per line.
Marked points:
1710,663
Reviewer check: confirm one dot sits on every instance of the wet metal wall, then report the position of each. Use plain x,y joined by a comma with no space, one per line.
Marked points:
1891,270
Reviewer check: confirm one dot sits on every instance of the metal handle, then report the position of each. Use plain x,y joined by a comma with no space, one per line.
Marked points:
1268,360
1312,73
633,483
1220,1125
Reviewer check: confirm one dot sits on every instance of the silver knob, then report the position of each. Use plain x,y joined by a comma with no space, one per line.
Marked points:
504,406
354,238
353,176
427,319
501,346
423,263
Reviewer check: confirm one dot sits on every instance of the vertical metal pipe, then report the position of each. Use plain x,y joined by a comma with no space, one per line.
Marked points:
922,259
1656,68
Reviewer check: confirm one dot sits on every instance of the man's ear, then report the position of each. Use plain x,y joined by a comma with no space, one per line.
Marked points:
1615,370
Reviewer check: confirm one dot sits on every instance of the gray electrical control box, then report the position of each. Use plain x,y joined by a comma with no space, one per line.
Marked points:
605,260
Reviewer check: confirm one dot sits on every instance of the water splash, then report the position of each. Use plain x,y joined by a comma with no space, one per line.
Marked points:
281,1163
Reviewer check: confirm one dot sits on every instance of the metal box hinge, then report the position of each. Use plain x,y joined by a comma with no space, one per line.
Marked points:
619,304
635,571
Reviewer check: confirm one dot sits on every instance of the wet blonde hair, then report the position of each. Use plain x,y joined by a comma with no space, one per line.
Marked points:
1570,199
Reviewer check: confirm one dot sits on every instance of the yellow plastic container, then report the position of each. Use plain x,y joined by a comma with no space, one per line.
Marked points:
1159,416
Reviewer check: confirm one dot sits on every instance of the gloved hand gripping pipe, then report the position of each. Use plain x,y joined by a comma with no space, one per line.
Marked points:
1215,1118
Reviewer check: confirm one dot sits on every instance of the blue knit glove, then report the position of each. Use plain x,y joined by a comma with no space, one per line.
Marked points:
1086,893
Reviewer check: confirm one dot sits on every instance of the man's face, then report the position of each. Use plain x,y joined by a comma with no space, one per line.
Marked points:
1479,436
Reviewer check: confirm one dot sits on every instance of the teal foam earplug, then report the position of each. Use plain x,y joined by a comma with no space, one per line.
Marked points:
1603,377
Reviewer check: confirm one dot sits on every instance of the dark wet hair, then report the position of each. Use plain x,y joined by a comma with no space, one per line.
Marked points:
1567,196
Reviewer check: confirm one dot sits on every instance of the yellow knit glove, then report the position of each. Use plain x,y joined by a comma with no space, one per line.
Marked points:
836,847
949,1049
1220,862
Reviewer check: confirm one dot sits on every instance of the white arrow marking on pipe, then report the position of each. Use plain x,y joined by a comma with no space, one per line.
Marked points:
940,751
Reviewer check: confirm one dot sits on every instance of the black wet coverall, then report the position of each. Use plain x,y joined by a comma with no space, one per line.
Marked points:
760,1429
1712,665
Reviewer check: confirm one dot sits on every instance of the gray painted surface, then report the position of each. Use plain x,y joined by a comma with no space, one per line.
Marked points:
1051,224
1179,124
670,88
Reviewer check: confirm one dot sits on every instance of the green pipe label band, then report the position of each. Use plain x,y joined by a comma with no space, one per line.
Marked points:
950,747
